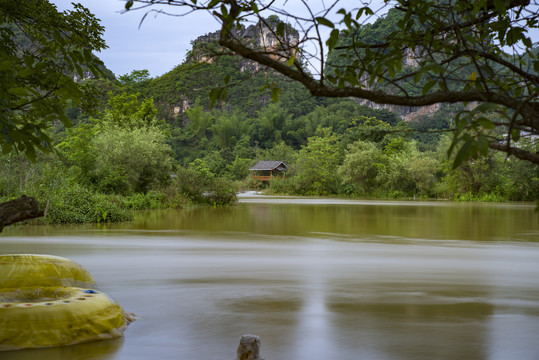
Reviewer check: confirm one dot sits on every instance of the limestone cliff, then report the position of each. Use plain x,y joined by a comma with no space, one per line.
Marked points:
261,35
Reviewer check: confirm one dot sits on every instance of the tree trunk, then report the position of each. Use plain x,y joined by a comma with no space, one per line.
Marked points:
23,208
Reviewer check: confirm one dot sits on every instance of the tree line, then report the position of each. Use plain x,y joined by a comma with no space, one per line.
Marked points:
127,158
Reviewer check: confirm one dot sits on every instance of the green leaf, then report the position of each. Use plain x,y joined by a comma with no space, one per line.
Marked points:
483,108
367,10
461,119
280,29
463,154
215,95
515,134
485,123
224,10
19,91
212,4
323,21
275,93
26,72
87,55
6,65
500,7
514,35
482,145
428,36
290,61
332,40
428,86
442,85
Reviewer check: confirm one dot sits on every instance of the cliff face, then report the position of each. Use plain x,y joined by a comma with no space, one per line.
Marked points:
260,35
407,113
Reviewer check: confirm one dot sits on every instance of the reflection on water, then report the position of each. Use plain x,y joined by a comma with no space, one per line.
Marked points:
314,279
103,350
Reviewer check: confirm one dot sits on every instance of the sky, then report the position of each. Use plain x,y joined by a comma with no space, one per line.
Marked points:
162,41
159,45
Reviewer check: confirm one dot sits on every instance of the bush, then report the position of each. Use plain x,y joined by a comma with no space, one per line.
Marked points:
284,186
486,197
222,192
81,205
151,200
198,184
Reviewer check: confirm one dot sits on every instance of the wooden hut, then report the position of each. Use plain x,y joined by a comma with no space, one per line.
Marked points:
267,170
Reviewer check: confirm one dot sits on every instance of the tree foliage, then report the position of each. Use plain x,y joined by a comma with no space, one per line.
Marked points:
458,51
44,54
317,164
123,152
361,165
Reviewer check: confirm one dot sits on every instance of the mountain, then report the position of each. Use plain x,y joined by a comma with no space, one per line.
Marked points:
208,66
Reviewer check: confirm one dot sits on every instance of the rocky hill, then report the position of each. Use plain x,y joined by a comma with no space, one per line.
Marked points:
207,65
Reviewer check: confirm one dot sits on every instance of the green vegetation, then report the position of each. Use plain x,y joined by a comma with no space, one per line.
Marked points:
156,143
420,53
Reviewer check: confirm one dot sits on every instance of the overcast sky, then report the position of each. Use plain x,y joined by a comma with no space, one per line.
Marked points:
162,41
159,45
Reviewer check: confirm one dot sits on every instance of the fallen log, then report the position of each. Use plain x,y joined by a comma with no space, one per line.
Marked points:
23,208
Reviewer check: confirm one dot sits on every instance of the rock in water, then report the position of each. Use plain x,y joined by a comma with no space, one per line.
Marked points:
249,348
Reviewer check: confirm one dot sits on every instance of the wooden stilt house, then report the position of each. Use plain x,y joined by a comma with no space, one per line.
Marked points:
267,170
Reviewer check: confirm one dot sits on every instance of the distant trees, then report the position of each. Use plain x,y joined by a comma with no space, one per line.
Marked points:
361,165
316,164
425,52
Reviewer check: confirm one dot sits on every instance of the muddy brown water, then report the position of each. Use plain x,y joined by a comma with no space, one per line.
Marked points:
314,278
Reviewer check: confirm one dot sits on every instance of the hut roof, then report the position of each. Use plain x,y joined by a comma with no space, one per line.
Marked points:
269,165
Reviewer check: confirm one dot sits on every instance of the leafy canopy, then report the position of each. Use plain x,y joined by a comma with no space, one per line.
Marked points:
43,55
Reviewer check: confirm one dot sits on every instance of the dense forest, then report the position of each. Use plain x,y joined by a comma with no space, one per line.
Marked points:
164,142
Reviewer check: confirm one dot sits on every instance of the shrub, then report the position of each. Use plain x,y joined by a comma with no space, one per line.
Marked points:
222,192
80,205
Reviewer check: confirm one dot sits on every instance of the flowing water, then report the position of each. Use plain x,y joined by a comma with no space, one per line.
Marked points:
314,278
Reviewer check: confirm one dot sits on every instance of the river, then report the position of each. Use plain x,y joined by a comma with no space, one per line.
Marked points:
314,278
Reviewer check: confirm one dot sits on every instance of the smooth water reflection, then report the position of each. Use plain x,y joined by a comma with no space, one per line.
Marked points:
314,279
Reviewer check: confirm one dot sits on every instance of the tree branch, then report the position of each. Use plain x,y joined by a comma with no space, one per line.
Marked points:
23,208
529,111
516,152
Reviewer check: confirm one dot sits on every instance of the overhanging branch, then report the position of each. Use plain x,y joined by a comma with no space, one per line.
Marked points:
529,111
23,208
516,152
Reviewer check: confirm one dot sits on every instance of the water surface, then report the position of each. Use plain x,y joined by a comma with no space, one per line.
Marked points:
314,278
